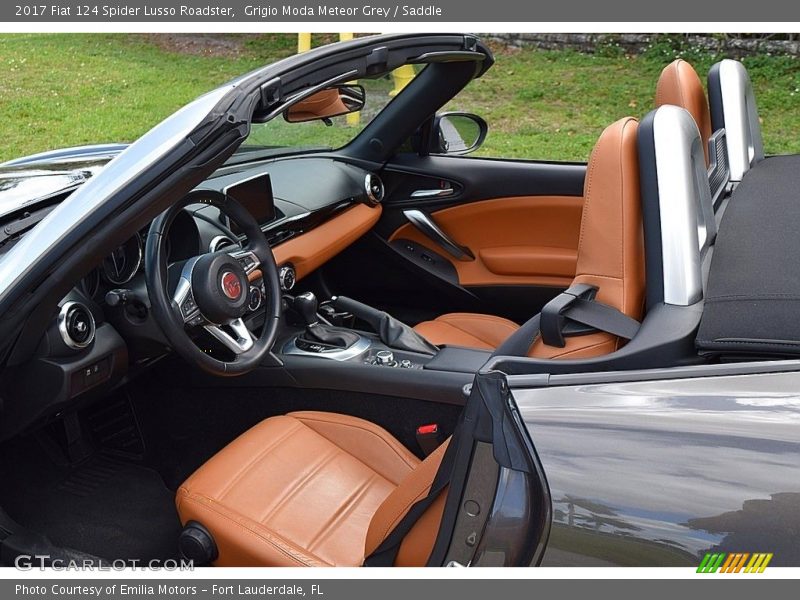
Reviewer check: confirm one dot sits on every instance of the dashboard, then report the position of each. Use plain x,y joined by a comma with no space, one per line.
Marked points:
310,209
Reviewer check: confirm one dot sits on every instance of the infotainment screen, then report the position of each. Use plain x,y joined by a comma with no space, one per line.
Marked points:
255,194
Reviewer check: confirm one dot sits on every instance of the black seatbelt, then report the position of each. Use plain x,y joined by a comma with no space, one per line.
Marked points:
386,553
573,312
601,317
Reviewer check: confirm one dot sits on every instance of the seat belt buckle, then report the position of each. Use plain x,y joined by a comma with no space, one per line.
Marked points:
429,438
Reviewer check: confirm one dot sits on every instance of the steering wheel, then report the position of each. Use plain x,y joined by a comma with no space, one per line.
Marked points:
212,291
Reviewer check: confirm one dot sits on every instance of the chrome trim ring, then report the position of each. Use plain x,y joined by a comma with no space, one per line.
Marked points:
368,179
64,332
214,244
357,349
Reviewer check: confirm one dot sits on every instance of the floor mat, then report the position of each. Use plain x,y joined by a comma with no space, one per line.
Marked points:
103,506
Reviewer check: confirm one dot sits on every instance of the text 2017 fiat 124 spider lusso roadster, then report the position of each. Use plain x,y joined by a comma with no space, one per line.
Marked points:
569,364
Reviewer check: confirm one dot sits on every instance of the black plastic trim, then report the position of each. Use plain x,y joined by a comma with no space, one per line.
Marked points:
651,212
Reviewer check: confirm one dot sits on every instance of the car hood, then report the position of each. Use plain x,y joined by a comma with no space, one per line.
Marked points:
26,181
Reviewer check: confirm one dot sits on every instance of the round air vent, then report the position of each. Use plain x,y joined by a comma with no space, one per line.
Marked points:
374,188
219,242
76,325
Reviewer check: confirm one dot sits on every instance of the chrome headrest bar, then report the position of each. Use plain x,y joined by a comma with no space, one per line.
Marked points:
733,107
677,203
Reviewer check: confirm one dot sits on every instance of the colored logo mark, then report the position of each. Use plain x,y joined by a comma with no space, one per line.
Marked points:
734,562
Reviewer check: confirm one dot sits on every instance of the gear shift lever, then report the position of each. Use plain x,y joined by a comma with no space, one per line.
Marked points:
306,304
317,330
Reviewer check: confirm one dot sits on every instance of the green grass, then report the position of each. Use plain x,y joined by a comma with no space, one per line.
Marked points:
67,89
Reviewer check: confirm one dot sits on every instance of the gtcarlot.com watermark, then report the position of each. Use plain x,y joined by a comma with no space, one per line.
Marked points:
28,562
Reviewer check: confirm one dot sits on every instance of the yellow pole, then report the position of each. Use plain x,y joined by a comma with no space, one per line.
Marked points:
353,119
303,42
402,77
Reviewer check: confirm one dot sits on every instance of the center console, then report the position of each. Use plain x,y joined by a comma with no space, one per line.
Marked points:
329,334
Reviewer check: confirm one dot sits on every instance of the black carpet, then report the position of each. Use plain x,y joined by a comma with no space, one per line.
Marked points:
102,506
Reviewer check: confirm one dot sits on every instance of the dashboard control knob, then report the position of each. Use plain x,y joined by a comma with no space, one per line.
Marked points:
287,277
117,297
384,357
255,298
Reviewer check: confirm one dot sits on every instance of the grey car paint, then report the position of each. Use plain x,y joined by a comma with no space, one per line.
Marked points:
659,472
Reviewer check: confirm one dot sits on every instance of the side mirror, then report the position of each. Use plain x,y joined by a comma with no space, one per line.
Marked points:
329,102
458,133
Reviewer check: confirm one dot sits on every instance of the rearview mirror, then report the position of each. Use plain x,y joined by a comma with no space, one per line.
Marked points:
458,133
327,103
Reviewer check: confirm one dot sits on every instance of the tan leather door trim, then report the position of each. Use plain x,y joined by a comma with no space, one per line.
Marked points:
314,248
523,240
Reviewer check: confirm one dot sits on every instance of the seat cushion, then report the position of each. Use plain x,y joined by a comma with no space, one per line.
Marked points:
484,332
294,490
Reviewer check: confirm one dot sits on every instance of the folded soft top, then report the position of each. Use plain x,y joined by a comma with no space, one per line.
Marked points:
752,306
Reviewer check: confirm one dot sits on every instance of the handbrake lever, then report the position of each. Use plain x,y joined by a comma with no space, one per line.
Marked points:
395,334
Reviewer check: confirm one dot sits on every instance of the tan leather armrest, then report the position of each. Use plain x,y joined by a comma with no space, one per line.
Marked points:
530,260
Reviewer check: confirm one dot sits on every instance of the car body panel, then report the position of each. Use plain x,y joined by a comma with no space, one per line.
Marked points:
659,472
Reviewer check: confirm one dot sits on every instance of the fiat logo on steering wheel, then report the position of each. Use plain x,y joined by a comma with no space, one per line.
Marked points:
231,286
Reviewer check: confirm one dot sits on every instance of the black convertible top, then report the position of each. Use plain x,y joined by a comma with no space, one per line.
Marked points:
752,306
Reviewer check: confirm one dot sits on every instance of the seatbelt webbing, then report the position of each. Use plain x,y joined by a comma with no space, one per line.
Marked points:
603,318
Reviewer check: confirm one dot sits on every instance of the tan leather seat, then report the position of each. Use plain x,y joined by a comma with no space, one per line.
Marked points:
312,489
680,85
610,255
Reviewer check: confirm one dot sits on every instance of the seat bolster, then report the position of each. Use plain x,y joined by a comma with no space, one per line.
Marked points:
418,544
472,330
369,443
241,541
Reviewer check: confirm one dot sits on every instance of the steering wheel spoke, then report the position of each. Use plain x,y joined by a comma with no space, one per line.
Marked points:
240,342
246,258
183,301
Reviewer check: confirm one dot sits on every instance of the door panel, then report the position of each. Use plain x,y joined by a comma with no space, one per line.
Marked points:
527,240
519,219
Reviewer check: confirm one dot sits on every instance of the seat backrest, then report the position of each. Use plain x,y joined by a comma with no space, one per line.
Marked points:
611,245
733,108
679,85
418,543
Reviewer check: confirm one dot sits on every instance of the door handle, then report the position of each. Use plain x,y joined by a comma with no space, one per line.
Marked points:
434,193
426,225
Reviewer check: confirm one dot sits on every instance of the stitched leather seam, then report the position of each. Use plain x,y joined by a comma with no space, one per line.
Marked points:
280,545
341,513
296,487
390,526
249,465
355,426
468,334
583,349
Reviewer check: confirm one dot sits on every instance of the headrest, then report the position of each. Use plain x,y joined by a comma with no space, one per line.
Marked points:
679,85
678,209
733,108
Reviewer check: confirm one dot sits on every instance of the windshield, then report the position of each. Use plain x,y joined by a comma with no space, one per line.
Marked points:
280,135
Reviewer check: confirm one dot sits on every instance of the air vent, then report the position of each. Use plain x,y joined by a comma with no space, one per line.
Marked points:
76,325
220,242
374,188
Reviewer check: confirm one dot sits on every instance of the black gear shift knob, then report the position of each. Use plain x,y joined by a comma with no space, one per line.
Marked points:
306,304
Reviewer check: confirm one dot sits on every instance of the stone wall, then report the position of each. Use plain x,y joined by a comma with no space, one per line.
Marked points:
633,43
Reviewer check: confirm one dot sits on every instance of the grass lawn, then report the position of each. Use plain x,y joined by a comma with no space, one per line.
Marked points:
68,89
